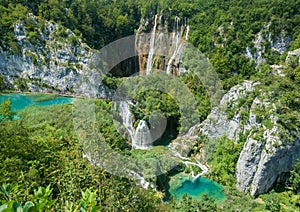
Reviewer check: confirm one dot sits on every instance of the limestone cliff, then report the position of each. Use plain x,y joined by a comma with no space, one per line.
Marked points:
267,155
49,57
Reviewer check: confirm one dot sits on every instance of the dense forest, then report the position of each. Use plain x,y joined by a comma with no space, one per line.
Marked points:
42,168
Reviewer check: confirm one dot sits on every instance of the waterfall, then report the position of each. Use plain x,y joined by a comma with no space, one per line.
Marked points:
141,136
187,161
126,115
178,45
143,139
151,48
142,181
187,32
168,48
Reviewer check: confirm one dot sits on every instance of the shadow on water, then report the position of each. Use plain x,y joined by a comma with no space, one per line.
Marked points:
169,134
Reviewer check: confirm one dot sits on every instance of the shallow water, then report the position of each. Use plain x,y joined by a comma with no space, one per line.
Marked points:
182,184
21,101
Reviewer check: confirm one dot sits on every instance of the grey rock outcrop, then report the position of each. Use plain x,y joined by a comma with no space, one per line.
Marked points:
293,55
50,57
280,44
265,155
262,162
218,123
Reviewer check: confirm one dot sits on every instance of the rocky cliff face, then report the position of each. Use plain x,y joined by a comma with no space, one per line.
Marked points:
50,57
280,44
266,155
293,57
219,123
262,162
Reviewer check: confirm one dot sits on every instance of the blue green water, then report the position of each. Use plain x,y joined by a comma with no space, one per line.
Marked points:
21,101
182,184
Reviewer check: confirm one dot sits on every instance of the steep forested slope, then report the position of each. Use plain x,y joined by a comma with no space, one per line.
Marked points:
256,40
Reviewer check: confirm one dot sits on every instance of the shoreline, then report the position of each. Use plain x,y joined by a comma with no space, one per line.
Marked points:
52,93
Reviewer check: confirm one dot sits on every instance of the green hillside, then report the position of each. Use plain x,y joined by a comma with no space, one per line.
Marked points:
42,167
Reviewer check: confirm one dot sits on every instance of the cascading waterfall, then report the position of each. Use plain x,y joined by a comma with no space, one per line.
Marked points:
187,28
169,50
187,32
163,52
126,115
141,136
151,48
143,139
187,161
176,39
142,181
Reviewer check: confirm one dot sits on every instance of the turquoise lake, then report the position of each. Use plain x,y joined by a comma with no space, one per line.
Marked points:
21,101
181,184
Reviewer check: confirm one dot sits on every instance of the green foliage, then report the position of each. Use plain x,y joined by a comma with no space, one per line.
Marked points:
111,82
2,83
7,190
158,158
41,201
107,128
88,201
21,84
295,177
272,202
223,161
296,43
188,204
197,88
6,114
238,201
160,93
42,149
9,14
222,30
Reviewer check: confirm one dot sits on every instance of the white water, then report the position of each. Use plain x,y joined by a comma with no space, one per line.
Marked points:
126,115
187,161
177,41
187,32
142,180
151,48
141,136
170,63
